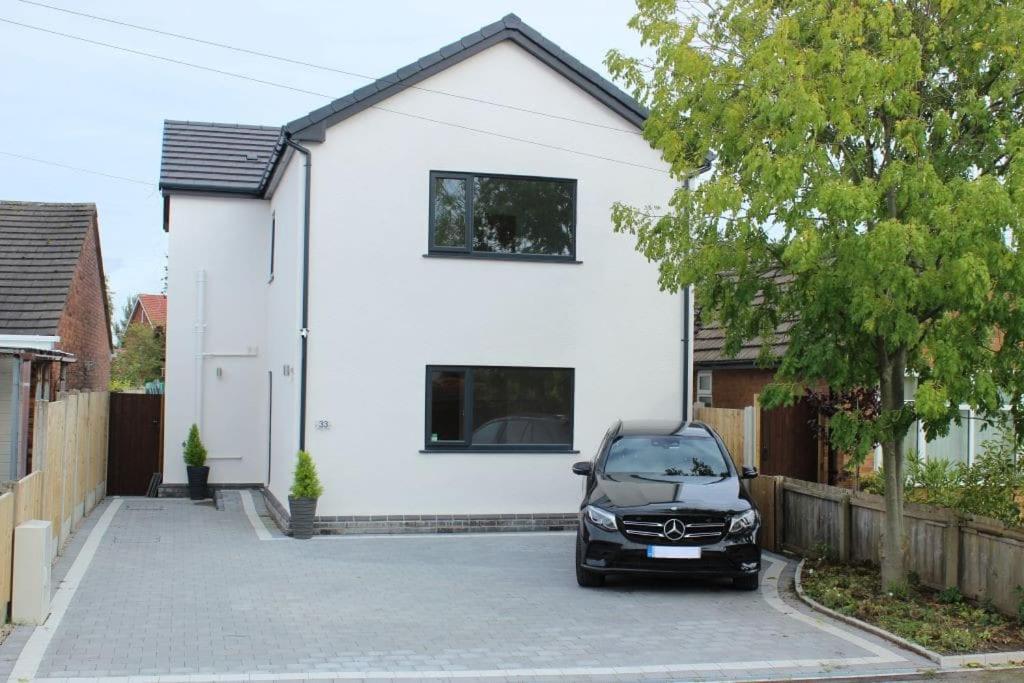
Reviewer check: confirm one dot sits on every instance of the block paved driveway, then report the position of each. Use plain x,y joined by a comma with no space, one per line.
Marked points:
182,591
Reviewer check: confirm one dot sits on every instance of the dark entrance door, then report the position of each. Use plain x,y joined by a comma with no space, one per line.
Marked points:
135,443
789,443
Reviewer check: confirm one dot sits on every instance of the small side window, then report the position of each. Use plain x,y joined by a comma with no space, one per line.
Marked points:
273,239
704,392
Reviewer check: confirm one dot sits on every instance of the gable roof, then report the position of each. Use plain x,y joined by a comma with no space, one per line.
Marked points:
238,159
155,308
313,126
40,245
217,157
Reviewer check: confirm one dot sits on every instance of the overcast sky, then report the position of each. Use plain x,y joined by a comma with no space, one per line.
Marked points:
94,107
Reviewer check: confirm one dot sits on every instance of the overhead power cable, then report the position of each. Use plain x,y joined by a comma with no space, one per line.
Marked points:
261,81
78,168
321,67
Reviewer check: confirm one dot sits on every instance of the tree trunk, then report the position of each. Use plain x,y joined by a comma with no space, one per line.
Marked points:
892,370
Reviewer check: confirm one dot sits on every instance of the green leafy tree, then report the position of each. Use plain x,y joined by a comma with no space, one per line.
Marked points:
195,451
140,357
869,159
121,325
306,483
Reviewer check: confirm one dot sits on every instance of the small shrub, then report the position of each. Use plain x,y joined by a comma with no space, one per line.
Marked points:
306,483
950,596
873,482
195,451
1020,605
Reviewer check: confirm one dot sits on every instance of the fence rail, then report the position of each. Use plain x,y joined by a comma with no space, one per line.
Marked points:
982,557
69,456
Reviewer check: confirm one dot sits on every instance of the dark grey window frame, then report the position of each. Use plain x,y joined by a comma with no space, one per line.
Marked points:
466,250
465,446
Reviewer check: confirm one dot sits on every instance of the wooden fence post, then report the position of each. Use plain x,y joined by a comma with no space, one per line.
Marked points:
757,432
780,512
845,529
951,551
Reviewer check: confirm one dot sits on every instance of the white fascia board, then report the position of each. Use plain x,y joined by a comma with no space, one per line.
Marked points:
29,341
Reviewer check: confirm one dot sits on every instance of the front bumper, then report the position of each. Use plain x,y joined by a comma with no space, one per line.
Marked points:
610,552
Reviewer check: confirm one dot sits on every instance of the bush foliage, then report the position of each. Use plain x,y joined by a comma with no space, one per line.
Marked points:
306,483
139,359
195,451
992,487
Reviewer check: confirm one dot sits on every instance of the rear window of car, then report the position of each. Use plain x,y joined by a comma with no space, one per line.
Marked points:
683,456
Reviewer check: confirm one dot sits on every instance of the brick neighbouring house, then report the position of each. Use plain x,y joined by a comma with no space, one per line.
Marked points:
54,323
150,309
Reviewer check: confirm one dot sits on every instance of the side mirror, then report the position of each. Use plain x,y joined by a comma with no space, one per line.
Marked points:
582,468
749,473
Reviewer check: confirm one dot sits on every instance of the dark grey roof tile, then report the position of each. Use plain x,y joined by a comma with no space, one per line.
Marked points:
217,156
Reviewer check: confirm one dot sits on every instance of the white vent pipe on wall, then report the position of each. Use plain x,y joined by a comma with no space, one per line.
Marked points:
200,332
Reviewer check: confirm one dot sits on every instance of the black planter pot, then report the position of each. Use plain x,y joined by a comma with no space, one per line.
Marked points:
197,477
302,510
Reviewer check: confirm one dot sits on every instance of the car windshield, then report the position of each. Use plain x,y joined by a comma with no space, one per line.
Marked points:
682,456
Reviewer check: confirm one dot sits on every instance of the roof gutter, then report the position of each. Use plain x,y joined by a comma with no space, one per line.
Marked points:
304,330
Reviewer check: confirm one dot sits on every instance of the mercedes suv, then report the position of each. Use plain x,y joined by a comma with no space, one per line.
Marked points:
665,498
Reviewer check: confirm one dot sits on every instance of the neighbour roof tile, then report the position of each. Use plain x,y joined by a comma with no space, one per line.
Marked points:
155,306
709,340
39,248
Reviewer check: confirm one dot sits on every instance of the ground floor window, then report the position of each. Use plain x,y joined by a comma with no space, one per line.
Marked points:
499,408
964,442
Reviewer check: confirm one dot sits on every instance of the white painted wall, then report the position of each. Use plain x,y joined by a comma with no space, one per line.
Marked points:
381,312
283,322
229,240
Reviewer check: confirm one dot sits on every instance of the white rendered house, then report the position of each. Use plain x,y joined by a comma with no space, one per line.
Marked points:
419,284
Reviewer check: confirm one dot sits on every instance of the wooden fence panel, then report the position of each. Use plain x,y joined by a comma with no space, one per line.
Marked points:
728,422
68,467
764,491
982,557
6,548
28,497
55,458
811,519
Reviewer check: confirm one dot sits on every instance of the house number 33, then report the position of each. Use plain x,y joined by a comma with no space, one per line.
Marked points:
323,424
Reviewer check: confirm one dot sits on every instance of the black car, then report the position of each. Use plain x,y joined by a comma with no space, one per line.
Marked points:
665,498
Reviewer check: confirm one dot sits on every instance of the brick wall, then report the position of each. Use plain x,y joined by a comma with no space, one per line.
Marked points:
735,388
84,329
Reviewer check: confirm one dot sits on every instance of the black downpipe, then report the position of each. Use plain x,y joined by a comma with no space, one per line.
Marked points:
688,331
304,332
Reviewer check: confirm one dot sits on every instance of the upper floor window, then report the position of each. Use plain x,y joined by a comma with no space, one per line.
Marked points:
502,215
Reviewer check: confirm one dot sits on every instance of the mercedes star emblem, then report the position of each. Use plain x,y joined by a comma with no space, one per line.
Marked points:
674,529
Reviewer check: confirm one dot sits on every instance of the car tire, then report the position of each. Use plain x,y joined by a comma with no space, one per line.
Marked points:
751,582
586,579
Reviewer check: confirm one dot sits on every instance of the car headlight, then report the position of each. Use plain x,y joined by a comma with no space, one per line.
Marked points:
744,522
602,518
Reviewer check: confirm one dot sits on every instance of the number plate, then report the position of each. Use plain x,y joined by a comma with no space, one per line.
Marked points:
673,552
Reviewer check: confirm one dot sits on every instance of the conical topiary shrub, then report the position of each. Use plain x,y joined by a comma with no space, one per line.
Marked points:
306,488
195,461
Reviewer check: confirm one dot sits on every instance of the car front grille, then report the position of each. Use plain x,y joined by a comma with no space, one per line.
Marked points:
697,530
